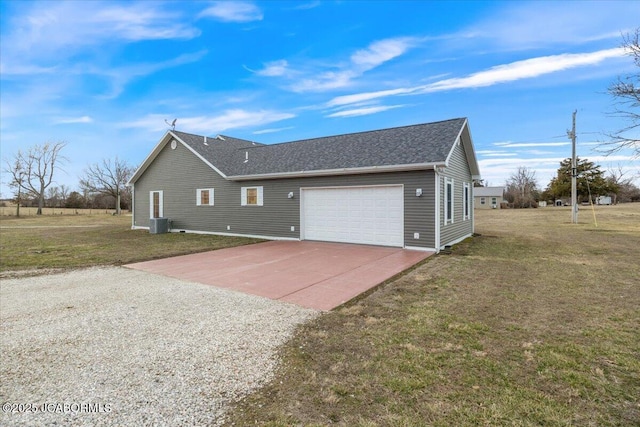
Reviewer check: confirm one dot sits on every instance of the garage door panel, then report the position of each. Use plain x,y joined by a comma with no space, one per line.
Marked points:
366,215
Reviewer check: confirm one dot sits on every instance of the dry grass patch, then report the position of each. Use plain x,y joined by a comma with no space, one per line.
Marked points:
40,244
535,322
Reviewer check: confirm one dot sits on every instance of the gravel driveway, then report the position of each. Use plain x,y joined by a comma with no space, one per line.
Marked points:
113,346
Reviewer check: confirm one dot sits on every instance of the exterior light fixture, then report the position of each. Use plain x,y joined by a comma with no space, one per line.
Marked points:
290,195
418,192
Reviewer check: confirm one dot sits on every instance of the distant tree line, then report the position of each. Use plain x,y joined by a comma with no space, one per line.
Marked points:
522,189
102,186
61,197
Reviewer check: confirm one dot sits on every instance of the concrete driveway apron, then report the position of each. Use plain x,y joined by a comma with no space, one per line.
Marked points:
318,275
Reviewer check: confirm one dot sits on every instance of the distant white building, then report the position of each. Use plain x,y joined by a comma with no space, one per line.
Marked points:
603,200
488,197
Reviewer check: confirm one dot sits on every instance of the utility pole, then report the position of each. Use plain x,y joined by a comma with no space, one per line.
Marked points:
574,171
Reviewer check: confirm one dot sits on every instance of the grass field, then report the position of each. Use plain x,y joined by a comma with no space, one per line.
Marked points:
535,322
71,241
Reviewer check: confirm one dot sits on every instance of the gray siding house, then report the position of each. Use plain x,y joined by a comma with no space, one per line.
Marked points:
488,197
409,187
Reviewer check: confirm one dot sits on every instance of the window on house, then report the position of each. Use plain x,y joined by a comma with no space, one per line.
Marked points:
482,201
466,201
448,200
204,197
251,196
494,201
155,204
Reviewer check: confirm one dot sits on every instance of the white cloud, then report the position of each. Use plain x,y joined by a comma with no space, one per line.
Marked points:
307,6
54,29
525,69
368,96
499,154
271,130
363,111
120,76
325,81
83,119
229,119
233,11
274,68
380,52
41,38
529,144
361,61
518,25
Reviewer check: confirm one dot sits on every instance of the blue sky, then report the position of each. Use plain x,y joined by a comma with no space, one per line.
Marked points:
104,76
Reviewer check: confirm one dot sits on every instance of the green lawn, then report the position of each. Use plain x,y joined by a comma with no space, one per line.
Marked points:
535,322
59,242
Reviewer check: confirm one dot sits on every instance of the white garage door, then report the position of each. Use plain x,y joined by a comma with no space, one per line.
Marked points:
366,215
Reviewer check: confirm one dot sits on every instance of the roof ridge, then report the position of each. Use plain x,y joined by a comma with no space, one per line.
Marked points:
216,137
359,133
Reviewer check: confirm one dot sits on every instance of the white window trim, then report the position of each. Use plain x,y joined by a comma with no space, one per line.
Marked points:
482,200
161,203
243,196
494,201
199,196
466,201
448,181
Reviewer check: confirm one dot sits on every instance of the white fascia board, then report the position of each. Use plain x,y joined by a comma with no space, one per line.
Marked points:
199,156
343,171
470,153
457,141
156,150
145,164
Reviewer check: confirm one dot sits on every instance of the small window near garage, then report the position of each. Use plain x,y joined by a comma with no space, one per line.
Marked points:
448,200
155,204
251,196
466,201
494,201
483,201
204,197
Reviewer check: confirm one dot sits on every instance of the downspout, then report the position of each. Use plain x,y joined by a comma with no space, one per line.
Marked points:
472,210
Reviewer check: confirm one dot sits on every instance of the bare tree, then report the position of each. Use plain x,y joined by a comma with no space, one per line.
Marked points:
109,177
626,90
626,190
53,195
522,188
33,171
64,193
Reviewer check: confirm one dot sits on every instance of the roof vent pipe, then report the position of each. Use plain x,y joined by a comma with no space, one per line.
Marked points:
246,156
205,139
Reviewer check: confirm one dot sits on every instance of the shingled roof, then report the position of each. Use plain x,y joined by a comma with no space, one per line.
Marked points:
408,147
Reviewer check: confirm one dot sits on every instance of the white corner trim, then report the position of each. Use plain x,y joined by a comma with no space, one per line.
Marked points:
438,203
